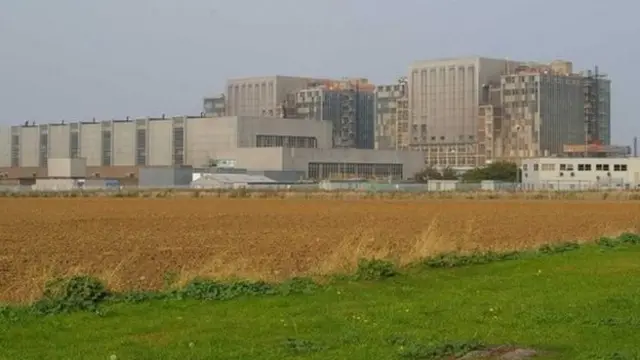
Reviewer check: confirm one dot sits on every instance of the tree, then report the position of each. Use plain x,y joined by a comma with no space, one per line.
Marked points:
449,174
499,171
428,173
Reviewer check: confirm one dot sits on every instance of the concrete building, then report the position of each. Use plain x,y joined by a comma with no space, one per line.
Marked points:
444,102
119,148
580,173
392,116
543,110
263,96
348,104
214,106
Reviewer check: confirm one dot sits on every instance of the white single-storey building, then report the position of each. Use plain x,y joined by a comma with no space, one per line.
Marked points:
580,173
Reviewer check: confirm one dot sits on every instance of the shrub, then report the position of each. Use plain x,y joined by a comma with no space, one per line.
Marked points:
72,294
558,248
629,238
297,285
204,289
375,269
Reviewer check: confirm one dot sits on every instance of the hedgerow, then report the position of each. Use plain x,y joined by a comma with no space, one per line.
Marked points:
85,293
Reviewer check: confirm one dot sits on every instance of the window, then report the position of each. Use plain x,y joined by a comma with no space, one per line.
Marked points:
548,167
584,167
619,167
563,167
286,141
535,167
525,167
598,167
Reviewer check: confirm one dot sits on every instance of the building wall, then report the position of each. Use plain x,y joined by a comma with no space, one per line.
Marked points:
605,111
59,141
299,159
207,137
164,176
444,96
249,127
29,146
215,106
159,143
256,159
258,96
5,146
124,143
387,112
580,173
91,143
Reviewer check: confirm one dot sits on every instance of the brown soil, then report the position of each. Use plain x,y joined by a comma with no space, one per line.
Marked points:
133,243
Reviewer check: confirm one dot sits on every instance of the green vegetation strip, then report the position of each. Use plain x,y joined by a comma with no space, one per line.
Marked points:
581,304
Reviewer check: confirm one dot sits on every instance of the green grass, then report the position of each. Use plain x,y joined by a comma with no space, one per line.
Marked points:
579,304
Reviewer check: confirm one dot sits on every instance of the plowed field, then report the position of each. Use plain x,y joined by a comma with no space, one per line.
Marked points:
134,243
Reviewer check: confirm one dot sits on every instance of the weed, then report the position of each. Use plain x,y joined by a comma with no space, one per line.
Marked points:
558,248
72,294
450,260
629,238
204,289
299,347
375,269
297,285
438,351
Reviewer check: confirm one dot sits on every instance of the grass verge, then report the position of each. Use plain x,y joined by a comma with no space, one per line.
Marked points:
581,303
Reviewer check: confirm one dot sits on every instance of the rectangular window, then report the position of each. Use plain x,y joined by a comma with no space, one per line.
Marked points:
44,147
616,167
535,167
354,170
106,148
598,167
548,167
15,150
74,145
307,142
563,167
178,146
141,147
623,167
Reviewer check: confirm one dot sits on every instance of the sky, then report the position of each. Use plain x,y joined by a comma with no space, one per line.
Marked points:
78,59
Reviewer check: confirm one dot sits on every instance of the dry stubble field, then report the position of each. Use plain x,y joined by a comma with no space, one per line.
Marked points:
133,243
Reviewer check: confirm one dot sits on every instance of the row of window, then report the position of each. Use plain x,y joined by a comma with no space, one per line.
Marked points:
306,142
579,167
332,170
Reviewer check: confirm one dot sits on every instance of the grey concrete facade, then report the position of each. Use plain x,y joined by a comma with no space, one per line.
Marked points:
253,143
165,176
154,141
5,146
391,116
349,105
263,96
215,106
444,96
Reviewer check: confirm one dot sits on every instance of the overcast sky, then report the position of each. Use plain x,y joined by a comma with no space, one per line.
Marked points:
78,59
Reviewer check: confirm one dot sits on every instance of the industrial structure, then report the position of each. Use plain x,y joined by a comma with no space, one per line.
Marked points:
392,116
349,104
214,106
120,148
264,96
444,100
